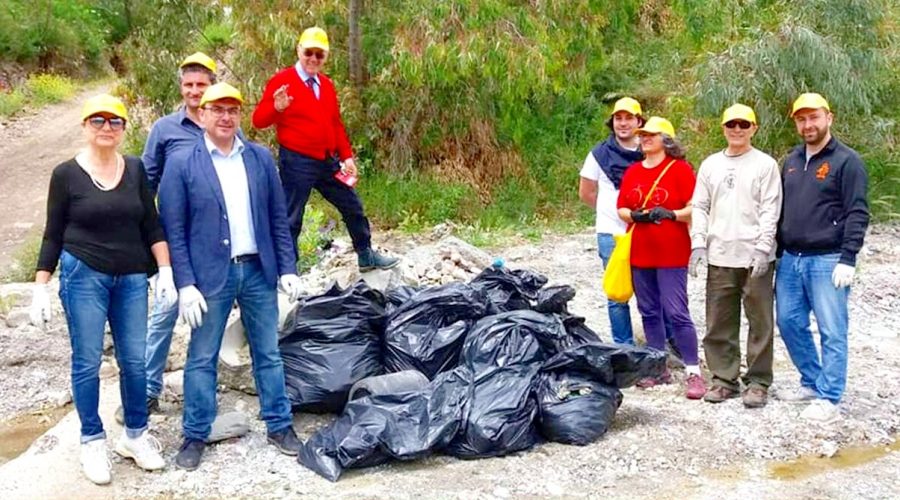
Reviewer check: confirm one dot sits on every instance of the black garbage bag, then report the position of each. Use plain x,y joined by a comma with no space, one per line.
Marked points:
514,337
577,394
398,295
509,290
612,364
404,426
574,407
554,299
332,341
580,332
505,353
427,331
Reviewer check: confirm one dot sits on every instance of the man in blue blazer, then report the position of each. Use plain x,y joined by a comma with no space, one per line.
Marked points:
224,214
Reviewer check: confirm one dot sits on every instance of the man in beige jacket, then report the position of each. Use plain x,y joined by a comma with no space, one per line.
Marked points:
737,202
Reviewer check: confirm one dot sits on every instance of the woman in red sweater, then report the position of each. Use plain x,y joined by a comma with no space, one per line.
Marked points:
661,244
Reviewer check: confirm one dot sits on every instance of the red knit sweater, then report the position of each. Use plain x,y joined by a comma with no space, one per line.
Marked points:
309,126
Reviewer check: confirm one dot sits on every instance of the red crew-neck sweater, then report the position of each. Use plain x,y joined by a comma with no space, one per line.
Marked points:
309,126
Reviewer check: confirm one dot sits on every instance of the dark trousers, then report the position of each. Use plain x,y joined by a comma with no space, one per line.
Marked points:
300,174
662,295
726,289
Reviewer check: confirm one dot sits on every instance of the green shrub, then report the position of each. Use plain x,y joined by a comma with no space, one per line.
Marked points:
24,262
11,102
312,240
48,89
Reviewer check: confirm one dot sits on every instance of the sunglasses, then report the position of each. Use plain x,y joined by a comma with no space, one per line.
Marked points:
318,54
738,123
115,123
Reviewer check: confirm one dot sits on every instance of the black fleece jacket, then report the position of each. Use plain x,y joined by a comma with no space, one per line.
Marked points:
825,208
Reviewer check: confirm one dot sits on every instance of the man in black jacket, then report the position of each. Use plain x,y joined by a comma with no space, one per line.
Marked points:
823,223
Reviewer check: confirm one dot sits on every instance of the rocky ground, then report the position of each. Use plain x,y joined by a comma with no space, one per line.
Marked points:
660,446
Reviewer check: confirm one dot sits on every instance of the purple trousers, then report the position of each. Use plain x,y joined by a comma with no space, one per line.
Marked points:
662,293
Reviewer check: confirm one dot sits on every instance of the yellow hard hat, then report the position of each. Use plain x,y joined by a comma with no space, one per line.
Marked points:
201,59
739,112
809,100
314,38
657,125
221,90
628,105
103,103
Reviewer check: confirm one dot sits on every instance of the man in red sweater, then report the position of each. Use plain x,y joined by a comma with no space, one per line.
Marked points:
302,104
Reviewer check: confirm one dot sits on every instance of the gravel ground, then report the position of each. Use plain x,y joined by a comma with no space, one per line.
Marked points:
660,445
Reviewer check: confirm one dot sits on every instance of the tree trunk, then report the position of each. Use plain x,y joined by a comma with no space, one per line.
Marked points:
357,63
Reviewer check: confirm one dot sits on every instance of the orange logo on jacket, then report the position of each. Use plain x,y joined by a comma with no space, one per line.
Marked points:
822,172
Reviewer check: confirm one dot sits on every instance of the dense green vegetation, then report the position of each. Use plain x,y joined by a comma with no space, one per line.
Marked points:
482,111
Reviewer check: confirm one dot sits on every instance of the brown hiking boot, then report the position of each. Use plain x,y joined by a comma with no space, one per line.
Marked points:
755,397
719,393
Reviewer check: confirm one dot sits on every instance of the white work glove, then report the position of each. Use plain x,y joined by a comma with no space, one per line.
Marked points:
39,313
164,291
289,284
759,264
698,261
842,275
191,306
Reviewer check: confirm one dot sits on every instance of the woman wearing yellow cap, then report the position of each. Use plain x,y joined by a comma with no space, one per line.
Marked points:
655,199
103,230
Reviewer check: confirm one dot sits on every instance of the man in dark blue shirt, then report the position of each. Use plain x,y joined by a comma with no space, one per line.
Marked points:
823,222
175,132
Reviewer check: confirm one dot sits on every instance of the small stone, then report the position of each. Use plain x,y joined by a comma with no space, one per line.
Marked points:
173,382
157,418
455,257
229,425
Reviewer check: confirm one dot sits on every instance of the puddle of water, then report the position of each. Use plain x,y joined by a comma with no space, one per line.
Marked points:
17,434
845,458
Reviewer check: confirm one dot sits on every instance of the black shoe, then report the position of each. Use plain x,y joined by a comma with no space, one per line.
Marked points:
189,454
286,441
369,259
152,407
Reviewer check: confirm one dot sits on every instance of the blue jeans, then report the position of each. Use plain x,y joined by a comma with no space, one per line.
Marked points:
259,312
619,312
89,299
159,340
803,285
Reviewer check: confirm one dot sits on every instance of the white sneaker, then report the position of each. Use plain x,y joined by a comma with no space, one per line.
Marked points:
95,462
796,395
144,449
821,411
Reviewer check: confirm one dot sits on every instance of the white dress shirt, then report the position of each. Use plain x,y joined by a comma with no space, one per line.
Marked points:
235,188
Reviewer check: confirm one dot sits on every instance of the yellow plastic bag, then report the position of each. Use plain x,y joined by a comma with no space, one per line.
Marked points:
617,275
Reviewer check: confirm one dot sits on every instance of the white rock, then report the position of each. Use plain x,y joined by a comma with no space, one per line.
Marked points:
173,384
108,369
455,257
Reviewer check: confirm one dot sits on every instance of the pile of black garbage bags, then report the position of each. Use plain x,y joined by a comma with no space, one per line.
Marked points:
508,367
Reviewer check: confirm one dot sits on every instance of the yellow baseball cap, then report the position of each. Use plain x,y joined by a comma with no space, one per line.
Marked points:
739,112
201,59
657,125
628,105
103,103
221,90
314,38
810,100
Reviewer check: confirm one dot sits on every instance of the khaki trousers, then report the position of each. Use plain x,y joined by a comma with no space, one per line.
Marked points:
726,289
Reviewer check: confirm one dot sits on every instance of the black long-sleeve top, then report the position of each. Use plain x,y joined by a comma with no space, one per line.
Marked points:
825,204
110,231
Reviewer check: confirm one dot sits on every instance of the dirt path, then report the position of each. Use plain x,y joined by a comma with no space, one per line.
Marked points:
30,146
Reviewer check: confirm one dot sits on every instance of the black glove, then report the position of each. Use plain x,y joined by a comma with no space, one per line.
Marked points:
658,214
641,216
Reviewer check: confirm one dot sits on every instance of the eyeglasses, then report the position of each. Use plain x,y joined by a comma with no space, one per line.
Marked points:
738,123
318,54
219,111
115,123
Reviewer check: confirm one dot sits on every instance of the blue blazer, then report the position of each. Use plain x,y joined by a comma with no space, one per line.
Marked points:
193,214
